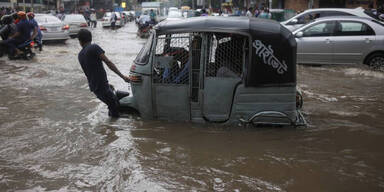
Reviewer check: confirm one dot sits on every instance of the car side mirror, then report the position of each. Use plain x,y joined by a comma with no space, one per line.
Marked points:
293,22
299,34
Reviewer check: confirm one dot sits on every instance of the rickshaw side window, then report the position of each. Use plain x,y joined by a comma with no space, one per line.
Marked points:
226,55
171,63
144,54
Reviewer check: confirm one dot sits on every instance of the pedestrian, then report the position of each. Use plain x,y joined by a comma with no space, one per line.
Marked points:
203,12
93,19
113,20
257,12
249,13
265,14
91,59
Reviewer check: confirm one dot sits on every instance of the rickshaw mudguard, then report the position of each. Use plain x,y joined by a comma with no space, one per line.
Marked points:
128,104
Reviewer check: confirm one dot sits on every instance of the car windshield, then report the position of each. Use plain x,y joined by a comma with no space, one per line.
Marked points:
47,19
174,14
79,18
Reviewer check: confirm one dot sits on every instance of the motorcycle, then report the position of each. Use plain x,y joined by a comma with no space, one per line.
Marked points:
26,49
7,29
144,30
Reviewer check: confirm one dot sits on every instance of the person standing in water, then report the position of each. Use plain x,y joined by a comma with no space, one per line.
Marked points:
91,59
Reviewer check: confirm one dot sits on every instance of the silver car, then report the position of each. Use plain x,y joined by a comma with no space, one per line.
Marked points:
312,14
75,23
106,20
341,40
51,27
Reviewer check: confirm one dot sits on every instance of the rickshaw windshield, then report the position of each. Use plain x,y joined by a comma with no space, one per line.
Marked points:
143,57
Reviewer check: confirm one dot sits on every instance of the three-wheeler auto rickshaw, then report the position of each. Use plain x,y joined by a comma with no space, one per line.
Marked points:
217,69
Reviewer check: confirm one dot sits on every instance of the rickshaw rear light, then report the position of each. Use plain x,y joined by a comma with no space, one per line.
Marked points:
133,67
42,28
135,78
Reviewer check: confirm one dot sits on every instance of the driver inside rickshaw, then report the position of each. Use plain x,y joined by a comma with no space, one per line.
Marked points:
178,73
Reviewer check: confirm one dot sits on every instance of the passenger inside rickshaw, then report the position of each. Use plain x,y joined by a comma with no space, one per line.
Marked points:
228,55
175,60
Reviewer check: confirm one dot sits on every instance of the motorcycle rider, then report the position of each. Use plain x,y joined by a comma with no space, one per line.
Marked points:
39,36
152,15
23,34
7,29
15,18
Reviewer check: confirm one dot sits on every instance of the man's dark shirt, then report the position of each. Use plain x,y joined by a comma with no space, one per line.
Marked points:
24,27
92,65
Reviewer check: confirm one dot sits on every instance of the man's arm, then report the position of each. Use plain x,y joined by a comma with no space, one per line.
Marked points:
14,35
113,67
34,34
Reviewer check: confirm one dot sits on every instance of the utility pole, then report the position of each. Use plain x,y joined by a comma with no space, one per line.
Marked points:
24,5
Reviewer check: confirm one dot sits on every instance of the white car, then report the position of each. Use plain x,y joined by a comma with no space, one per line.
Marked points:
106,20
174,15
75,23
312,14
173,9
341,40
52,28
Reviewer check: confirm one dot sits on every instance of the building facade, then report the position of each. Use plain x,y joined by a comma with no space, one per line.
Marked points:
29,5
300,5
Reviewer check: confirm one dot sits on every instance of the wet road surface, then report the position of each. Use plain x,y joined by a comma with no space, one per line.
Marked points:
56,135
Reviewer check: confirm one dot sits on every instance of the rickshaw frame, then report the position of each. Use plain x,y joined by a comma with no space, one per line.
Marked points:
276,89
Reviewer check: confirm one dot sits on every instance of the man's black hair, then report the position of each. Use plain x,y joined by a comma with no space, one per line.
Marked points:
84,36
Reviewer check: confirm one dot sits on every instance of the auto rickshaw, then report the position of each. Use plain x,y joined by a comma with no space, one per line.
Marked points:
217,69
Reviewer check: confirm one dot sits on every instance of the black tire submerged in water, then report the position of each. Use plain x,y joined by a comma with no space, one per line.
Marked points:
376,61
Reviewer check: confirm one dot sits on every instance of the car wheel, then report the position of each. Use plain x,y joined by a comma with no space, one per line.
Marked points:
376,61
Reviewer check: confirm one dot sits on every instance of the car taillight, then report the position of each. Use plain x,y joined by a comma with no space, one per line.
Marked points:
65,27
83,25
135,78
42,28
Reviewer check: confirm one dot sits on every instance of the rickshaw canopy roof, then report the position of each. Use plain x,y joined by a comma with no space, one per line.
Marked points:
217,24
273,55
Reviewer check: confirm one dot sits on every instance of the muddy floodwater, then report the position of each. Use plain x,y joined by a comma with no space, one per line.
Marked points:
55,135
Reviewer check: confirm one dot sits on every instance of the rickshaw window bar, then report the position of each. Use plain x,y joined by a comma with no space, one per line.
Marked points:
226,55
171,62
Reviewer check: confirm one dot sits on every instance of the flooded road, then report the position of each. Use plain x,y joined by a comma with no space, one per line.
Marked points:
56,135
